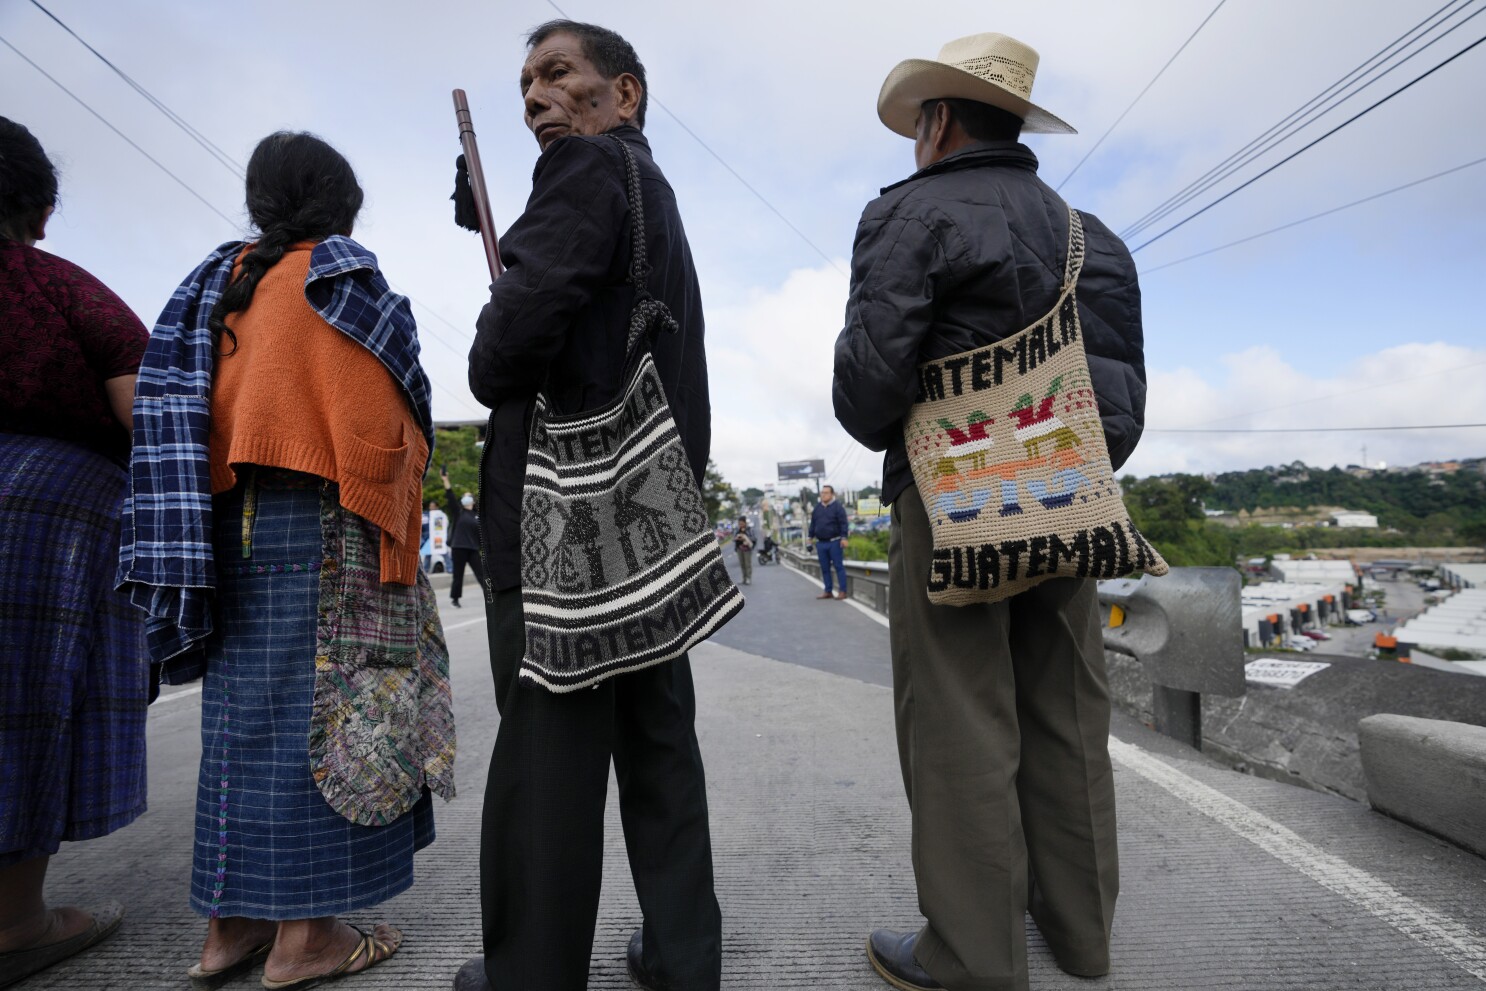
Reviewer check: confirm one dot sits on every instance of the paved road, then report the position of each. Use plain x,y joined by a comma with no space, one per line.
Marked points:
1228,881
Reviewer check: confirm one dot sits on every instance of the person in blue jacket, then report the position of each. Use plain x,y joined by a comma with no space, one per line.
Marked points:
828,529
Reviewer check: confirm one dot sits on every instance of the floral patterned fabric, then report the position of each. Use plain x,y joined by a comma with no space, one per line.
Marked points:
65,334
383,722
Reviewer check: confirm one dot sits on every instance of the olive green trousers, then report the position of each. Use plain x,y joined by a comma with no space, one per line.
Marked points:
1003,735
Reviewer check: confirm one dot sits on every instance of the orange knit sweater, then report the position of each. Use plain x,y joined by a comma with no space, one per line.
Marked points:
299,394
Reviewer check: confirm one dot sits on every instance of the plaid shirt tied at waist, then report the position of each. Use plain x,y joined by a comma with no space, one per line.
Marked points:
165,554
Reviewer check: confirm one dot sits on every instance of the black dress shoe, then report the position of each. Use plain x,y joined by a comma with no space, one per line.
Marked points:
891,955
455,604
471,976
637,972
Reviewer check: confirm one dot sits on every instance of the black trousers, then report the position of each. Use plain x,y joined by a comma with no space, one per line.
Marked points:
542,840
463,556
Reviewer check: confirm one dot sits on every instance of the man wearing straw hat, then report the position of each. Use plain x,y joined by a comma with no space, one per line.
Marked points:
1002,707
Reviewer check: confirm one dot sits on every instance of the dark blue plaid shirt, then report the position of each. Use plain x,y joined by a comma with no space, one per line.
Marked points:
165,559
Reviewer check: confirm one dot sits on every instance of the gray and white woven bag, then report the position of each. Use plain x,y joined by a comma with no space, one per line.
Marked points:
620,569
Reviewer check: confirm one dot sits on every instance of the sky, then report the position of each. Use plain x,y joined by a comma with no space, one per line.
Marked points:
1366,318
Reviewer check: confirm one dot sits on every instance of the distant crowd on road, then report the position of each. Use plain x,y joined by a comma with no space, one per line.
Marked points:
235,498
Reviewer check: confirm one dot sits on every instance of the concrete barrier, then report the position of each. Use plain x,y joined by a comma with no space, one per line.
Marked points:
1428,773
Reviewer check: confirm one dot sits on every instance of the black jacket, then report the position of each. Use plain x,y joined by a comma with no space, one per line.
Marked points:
828,521
557,318
960,255
464,525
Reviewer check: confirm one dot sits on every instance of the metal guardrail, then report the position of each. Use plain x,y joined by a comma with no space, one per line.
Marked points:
1186,628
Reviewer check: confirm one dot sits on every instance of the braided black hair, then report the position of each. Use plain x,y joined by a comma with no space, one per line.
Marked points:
28,181
298,189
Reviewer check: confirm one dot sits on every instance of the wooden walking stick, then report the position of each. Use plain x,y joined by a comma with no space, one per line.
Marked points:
469,181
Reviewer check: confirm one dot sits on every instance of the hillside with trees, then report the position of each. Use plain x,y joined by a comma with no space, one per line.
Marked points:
1414,509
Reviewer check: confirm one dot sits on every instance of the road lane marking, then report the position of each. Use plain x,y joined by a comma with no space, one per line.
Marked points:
1449,938
872,614
183,693
468,622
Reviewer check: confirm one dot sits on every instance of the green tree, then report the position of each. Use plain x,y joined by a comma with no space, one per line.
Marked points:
717,494
751,496
808,498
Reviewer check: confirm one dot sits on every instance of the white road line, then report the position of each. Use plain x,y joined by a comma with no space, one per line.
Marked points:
468,622
872,614
1449,938
183,693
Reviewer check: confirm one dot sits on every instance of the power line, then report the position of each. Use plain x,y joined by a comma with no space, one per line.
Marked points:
227,161
203,200
1312,110
735,173
130,141
1090,152
1315,216
1307,147
1307,430
221,156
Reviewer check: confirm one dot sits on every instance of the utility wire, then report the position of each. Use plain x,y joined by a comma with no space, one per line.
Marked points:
734,172
221,156
1308,146
1307,113
1307,430
203,200
226,160
1088,154
1315,216
130,141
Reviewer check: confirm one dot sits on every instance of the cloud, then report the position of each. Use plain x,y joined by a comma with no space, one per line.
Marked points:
1407,385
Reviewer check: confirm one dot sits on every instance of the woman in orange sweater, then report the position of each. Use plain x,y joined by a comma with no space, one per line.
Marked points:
325,710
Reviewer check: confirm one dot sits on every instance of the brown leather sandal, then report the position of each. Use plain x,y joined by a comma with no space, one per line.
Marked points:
370,946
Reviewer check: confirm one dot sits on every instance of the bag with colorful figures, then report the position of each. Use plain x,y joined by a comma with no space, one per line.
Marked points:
1009,456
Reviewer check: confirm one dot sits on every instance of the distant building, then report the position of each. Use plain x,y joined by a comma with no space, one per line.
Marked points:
1321,572
1272,610
1351,518
1463,575
1457,623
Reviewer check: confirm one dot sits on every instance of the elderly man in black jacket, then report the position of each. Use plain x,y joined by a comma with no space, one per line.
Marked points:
1002,708
557,322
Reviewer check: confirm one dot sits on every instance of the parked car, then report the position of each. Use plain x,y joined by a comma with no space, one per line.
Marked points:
1299,643
1316,634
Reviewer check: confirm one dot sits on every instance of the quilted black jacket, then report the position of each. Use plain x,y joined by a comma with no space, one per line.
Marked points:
962,254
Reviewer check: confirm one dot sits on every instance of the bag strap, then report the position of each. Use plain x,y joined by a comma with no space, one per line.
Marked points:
649,315
1075,263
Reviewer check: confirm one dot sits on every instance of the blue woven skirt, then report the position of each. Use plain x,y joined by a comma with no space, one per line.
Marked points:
268,845
74,673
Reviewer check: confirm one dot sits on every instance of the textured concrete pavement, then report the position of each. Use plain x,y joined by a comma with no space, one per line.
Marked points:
1228,881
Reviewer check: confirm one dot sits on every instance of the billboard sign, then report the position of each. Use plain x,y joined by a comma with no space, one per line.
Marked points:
869,506
793,471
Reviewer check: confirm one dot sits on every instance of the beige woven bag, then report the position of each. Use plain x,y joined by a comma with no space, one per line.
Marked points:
1009,457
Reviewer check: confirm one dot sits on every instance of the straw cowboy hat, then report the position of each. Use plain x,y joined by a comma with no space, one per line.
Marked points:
989,68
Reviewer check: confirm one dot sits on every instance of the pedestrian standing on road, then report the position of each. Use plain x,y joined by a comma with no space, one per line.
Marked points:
828,528
558,319
464,540
74,674
279,561
1002,708
743,547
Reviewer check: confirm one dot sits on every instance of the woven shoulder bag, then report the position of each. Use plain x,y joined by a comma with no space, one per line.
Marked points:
1008,454
620,569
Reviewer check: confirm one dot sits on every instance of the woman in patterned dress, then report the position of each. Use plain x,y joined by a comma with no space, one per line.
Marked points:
74,678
